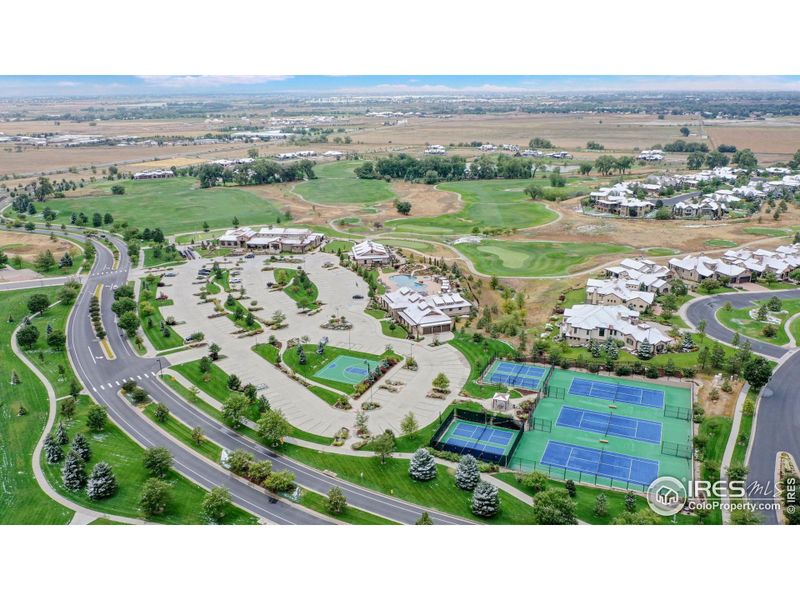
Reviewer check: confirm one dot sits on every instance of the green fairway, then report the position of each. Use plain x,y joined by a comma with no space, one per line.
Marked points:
173,205
410,244
496,203
337,184
126,459
766,231
740,319
21,500
720,243
661,251
534,259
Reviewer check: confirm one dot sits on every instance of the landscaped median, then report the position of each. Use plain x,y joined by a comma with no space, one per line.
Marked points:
763,321
101,335
161,335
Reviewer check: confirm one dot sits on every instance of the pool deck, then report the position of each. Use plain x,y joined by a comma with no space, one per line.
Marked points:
431,286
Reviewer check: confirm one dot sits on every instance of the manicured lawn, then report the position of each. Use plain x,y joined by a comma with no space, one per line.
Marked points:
398,331
174,205
335,245
719,243
739,319
300,289
586,497
182,433
216,414
766,231
487,204
573,297
534,259
268,352
351,515
161,338
376,313
479,355
165,258
314,362
327,395
241,322
717,430
21,500
337,184
392,479
125,457
214,383
46,358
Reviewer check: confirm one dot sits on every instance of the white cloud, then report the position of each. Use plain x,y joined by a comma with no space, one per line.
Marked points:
208,81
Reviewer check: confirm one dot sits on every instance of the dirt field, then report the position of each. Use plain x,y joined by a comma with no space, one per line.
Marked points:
27,246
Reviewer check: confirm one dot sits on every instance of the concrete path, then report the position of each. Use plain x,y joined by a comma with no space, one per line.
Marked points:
731,446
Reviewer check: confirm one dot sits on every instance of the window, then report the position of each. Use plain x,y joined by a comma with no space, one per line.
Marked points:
602,332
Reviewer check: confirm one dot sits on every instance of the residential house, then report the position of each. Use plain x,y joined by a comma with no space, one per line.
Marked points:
584,322
698,268
616,292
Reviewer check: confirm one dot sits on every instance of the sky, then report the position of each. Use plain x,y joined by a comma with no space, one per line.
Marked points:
125,85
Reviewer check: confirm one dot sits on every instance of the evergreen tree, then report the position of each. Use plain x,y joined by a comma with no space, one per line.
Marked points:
467,473
81,447
52,450
612,350
570,487
424,519
74,472
645,351
485,500
423,466
630,502
61,434
688,344
102,482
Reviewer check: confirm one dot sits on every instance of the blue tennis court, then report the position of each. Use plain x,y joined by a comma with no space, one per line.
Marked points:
610,424
615,466
478,439
515,374
617,392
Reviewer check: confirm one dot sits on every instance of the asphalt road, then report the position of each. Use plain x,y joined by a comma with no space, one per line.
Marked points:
103,379
679,198
778,417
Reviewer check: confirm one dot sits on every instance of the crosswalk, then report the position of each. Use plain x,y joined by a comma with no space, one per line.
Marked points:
119,382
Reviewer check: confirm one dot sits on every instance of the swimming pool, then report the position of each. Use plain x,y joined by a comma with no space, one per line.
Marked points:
408,281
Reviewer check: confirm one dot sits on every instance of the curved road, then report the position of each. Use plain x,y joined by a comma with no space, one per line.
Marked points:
103,378
778,417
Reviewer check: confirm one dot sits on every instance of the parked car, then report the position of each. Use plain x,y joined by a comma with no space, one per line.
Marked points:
358,297
235,280
171,274
251,255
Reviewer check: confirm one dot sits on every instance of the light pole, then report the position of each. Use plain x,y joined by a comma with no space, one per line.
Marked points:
158,360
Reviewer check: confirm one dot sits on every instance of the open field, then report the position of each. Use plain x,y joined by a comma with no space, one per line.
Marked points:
336,184
534,259
497,203
174,205
21,500
27,246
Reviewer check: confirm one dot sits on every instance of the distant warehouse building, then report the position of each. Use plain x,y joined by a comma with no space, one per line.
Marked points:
272,240
154,174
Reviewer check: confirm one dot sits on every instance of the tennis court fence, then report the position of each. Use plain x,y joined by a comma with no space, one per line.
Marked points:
481,418
678,412
523,466
541,424
674,449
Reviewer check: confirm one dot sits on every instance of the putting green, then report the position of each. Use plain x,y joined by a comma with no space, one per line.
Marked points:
533,259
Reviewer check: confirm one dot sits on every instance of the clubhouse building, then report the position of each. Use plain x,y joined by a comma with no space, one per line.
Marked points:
272,240
369,253
424,314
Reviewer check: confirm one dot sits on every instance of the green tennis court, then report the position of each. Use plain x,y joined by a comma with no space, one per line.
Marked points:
347,369
606,438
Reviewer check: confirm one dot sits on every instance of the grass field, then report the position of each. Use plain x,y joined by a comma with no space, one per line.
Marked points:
335,245
417,245
392,478
21,501
487,204
739,319
47,359
125,457
661,251
174,205
268,352
167,338
534,259
337,184
22,248
351,515
183,434
305,295
166,258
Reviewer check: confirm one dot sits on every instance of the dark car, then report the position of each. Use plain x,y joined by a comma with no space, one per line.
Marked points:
358,297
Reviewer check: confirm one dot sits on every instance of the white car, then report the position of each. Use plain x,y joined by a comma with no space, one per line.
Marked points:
235,280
